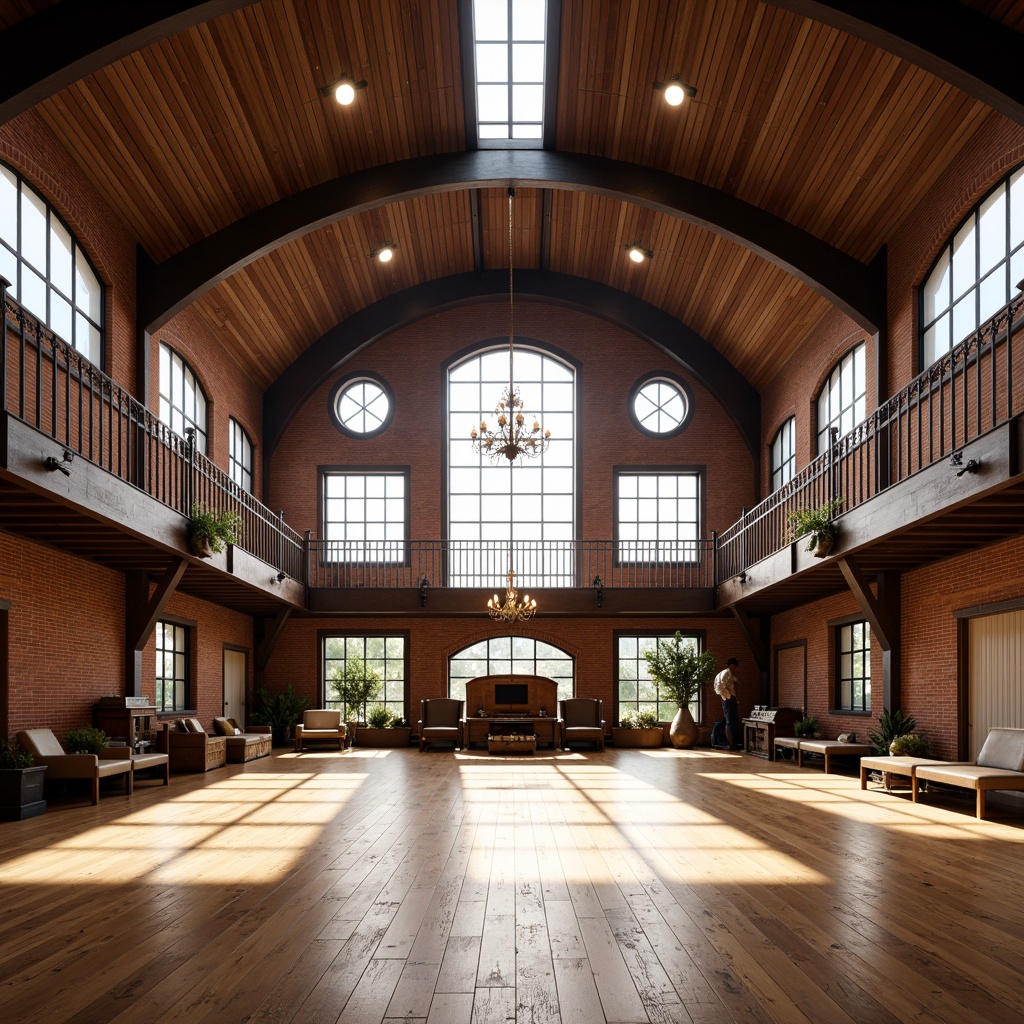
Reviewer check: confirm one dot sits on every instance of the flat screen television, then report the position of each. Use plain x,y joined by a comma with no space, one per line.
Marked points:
511,693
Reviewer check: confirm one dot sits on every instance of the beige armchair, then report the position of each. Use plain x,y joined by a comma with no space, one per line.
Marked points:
321,724
582,719
440,721
45,749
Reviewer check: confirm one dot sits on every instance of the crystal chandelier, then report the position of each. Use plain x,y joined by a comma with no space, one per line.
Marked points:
512,437
513,610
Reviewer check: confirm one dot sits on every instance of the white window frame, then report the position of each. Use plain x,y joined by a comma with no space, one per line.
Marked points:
364,515
240,455
511,655
783,454
656,519
842,400
183,402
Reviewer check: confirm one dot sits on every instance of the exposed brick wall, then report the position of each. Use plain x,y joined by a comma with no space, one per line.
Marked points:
431,642
410,360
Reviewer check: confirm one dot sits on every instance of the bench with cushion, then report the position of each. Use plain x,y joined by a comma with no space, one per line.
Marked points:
1000,765
142,761
190,748
46,750
321,724
243,744
827,748
904,766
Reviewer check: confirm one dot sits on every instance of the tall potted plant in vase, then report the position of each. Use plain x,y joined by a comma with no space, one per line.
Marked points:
355,685
681,671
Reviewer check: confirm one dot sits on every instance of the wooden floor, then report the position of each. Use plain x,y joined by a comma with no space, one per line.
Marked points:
624,886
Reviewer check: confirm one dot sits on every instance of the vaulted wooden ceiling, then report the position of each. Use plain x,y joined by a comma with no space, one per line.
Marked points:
213,124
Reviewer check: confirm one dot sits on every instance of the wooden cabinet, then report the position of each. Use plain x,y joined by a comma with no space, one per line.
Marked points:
130,724
764,724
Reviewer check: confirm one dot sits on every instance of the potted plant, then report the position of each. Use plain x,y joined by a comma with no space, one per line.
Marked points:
817,524
383,729
891,725
354,687
281,710
806,727
85,740
21,784
910,744
681,672
638,729
210,530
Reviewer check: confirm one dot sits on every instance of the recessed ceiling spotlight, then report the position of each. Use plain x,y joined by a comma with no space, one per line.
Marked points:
385,254
637,253
344,89
675,91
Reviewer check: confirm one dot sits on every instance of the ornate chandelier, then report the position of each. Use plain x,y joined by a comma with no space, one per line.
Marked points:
512,437
513,610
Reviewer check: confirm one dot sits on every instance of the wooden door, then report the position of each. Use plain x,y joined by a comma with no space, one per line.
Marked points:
234,685
995,659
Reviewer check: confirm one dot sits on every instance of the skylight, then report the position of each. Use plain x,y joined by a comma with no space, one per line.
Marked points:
509,42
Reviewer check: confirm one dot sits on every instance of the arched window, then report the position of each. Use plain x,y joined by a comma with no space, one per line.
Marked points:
977,270
512,655
182,402
240,455
530,502
50,275
841,401
784,454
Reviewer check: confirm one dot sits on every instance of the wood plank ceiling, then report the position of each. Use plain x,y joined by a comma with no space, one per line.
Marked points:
835,136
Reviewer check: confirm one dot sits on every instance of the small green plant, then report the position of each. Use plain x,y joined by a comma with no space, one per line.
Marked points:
214,527
891,725
354,686
910,744
13,756
815,523
399,723
281,709
85,740
639,720
806,726
380,716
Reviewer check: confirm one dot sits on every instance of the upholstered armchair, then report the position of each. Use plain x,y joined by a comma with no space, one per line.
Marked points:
320,724
582,719
244,744
45,749
190,748
440,721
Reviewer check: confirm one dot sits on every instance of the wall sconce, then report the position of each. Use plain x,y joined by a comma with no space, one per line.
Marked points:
424,583
281,576
638,254
743,577
675,90
956,460
599,590
52,462
343,90
385,254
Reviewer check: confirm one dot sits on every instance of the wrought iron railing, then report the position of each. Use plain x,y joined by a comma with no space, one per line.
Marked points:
52,387
971,390
537,564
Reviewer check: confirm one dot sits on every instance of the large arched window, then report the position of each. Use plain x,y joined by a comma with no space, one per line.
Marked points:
784,454
182,401
977,270
530,503
512,655
50,275
841,401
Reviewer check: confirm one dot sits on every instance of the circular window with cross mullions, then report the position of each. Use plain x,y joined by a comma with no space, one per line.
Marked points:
660,405
361,405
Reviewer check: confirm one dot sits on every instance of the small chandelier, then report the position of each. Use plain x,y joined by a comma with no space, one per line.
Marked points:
513,610
512,437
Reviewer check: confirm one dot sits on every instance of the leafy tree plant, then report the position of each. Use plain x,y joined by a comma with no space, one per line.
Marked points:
680,670
354,687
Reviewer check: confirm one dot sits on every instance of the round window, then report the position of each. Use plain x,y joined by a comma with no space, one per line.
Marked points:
660,405
361,406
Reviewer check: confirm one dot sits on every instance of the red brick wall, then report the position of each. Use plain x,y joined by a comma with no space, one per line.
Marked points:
410,360
431,642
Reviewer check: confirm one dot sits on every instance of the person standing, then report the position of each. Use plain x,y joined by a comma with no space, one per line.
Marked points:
725,687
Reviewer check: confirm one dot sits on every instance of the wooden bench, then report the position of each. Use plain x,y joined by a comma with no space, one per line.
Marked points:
1000,765
903,766
827,748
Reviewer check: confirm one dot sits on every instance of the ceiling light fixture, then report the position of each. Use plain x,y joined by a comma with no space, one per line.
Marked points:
637,253
344,89
386,253
513,610
675,90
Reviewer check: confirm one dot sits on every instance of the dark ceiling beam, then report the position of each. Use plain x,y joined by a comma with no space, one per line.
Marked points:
329,352
68,41
960,45
850,285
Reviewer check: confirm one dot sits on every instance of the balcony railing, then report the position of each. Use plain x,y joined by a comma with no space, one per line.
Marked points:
974,388
537,564
52,387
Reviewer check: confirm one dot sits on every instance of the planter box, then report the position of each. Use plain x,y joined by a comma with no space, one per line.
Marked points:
367,737
21,793
638,737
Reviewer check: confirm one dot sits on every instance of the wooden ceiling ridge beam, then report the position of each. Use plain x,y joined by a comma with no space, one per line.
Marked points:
171,286
329,352
62,44
977,54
